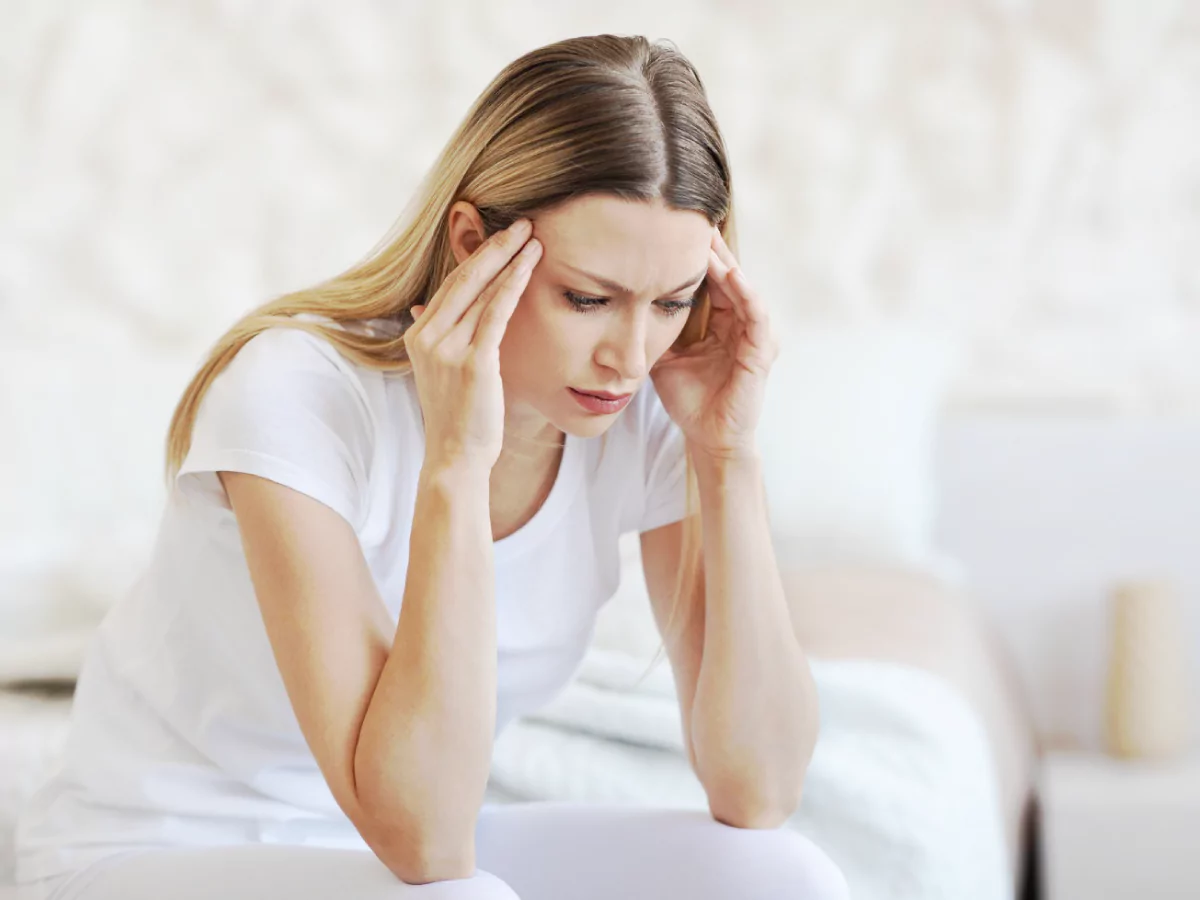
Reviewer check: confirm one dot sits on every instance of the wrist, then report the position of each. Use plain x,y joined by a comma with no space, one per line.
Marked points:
455,476
719,473
725,457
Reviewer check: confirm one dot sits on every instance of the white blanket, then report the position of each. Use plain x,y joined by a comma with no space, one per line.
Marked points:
901,791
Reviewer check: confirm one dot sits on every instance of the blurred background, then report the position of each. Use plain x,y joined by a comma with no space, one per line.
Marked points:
976,223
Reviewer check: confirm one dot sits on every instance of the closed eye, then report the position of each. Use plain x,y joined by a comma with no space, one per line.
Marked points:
585,304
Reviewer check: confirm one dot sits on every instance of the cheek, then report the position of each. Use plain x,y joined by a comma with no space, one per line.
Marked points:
532,321
667,334
533,339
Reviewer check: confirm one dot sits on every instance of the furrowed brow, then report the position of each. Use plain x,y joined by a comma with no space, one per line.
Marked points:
621,289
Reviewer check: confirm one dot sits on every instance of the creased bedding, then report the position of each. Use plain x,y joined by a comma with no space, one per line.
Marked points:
901,791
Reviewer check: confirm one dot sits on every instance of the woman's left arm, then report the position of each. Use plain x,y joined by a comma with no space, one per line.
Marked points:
747,695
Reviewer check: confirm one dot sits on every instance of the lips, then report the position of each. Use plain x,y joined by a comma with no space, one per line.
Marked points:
603,395
600,403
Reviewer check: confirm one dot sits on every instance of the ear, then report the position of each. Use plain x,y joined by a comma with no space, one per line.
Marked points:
466,230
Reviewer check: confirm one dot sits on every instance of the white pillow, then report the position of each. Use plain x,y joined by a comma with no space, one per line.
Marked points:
847,436
53,594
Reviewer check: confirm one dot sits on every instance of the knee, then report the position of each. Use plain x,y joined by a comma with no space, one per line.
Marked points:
781,862
819,876
486,886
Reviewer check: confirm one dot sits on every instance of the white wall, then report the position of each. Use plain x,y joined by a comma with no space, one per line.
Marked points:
1027,174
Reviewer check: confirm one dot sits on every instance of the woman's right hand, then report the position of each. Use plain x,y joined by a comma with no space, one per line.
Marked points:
454,347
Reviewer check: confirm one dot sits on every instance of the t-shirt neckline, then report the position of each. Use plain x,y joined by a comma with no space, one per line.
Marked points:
562,493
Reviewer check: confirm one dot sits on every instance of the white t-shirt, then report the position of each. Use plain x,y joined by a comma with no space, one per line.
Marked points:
181,729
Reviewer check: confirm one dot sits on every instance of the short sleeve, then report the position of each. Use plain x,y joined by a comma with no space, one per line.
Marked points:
665,490
288,408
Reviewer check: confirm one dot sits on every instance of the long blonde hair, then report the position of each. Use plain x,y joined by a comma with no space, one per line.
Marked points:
605,114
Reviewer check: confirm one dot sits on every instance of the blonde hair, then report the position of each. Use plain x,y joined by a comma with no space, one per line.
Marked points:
604,114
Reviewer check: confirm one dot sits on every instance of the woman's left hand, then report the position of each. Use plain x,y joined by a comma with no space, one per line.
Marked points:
714,389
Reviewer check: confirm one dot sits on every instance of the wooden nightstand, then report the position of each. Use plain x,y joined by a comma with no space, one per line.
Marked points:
1119,830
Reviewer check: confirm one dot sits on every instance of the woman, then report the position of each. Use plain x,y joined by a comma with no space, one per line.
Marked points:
391,524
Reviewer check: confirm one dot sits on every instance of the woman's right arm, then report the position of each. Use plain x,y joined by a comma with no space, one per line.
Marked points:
401,722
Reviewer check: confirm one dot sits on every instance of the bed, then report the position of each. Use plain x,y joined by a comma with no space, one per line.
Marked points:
872,633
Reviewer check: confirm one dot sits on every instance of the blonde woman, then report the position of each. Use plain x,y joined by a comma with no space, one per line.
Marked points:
394,507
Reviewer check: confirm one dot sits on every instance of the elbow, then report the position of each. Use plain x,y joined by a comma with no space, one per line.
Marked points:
413,850
746,815
748,806
416,843
415,855
418,863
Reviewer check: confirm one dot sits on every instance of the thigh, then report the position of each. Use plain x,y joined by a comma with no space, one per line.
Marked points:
569,851
265,872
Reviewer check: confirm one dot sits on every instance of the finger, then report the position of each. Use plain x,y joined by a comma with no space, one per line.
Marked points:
729,265
473,275
495,316
758,327
518,271
411,332
746,304
722,249
720,292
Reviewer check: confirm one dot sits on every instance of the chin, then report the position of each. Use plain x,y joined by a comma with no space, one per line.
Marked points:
572,419
586,426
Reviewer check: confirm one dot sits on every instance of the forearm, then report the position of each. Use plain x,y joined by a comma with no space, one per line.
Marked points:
425,746
754,717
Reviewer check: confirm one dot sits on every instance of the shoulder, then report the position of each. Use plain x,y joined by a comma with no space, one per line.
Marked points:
293,380
288,363
285,347
291,408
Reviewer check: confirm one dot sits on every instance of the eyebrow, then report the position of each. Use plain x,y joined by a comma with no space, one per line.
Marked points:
620,289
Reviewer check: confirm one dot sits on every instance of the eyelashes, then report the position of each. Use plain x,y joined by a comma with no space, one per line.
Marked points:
585,304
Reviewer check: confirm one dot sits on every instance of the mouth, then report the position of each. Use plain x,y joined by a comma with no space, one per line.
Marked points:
600,402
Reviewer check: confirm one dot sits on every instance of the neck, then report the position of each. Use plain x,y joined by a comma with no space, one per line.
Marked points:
529,437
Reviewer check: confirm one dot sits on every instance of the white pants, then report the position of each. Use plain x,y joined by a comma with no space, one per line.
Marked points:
526,851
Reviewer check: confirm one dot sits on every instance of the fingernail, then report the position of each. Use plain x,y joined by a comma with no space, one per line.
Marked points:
519,225
530,252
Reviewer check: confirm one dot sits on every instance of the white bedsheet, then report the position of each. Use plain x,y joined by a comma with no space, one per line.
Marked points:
901,791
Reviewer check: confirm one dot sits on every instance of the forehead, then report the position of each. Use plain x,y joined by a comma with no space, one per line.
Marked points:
642,244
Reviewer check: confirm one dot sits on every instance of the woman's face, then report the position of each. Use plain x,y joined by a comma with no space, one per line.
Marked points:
609,296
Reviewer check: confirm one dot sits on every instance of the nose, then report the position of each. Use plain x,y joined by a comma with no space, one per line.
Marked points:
623,347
